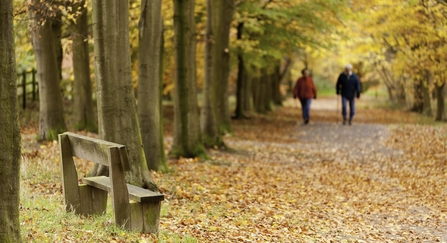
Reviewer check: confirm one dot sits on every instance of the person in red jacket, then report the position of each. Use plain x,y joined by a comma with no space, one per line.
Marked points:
305,90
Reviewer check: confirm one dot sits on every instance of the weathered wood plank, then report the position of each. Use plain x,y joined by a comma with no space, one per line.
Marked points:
91,149
151,216
120,195
85,195
69,175
136,216
135,193
99,201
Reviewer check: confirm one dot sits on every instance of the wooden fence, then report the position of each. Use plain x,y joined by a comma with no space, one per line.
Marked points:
27,86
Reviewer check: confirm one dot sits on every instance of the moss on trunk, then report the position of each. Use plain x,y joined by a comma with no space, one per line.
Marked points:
10,132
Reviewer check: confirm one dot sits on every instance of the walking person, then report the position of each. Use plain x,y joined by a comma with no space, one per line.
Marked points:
305,90
348,85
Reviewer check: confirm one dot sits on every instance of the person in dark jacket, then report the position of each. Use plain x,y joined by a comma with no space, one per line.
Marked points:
305,90
348,85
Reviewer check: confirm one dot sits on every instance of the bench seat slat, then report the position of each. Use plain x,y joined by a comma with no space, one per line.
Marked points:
135,193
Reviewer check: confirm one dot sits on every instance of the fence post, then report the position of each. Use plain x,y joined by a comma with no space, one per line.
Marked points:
24,89
33,81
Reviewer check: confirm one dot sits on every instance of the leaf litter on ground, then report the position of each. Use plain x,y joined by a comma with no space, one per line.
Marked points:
280,182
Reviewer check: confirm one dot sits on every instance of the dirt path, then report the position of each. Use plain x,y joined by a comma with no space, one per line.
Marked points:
351,185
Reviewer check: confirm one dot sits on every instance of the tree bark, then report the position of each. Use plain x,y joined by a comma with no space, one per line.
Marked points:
51,121
84,117
209,112
440,109
9,130
240,91
242,80
215,112
187,137
150,83
116,103
426,107
276,86
222,15
247,92
418,103
56,26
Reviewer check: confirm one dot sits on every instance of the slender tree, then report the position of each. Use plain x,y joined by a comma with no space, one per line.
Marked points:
9,130
215,113
187,137
440,99
150,83
241,89
51,120
116,103
84,116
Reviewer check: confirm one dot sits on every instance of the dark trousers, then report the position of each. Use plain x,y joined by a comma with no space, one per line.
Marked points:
351,102
305,106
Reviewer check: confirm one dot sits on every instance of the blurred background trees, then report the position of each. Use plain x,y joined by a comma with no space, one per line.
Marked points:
243,58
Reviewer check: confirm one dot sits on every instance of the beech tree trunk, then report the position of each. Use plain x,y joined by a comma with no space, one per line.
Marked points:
262,91
241,80
84,117
240,91
440,109
51,121
418,96
276,86
9,130
215,113
116,103
222,14
209,113
187,137
426,110
56,26
150,83
247,92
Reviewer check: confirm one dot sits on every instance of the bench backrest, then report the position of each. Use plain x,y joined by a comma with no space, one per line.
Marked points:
112,155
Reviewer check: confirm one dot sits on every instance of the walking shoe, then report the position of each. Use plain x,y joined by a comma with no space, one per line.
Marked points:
306,121
344,122
350,122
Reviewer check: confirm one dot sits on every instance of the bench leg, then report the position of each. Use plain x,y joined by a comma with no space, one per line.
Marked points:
93,200
145,217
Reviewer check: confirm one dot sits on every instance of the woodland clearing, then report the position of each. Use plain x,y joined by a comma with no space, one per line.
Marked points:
380,180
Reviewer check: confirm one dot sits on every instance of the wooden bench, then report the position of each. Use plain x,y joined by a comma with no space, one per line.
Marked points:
135,208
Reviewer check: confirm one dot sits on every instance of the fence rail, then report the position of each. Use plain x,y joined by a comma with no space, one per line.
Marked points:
27,88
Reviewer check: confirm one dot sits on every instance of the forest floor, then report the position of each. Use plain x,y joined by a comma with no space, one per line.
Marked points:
380,180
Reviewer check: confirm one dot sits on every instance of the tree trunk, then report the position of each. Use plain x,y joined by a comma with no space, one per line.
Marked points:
440,109
10,131
426,108
150,83
241,80
222,16
84,117
418,96
187,137
56,26
266,92
51,121
215,112
240,91
276,86
257,93
209,113
247,92
116,103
